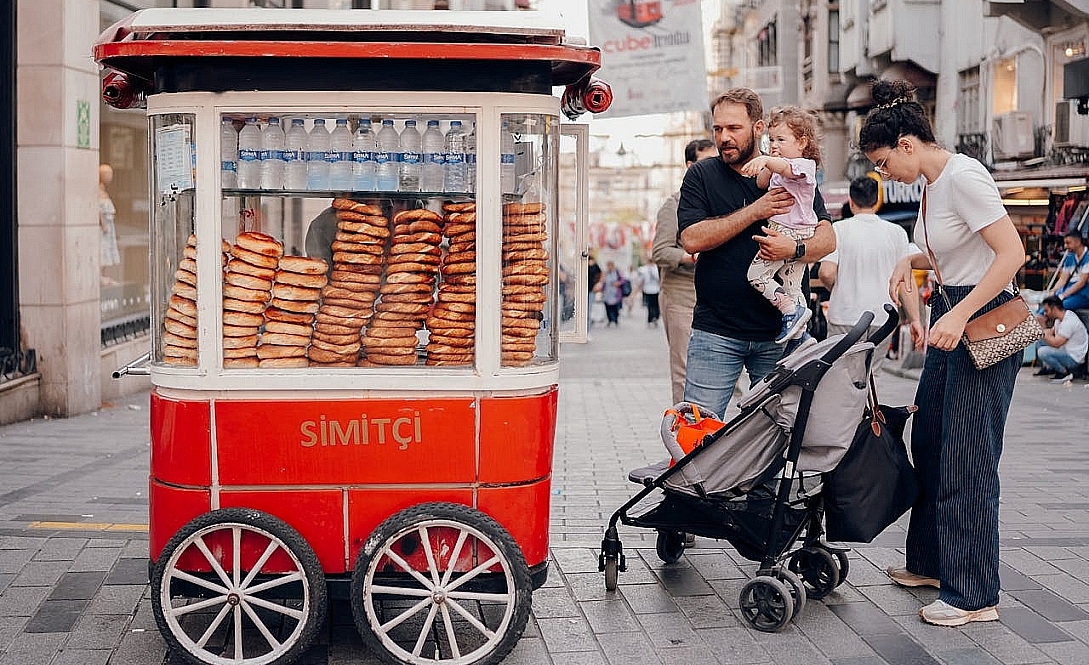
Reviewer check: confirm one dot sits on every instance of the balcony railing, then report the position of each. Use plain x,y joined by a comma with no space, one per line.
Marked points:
977,145
974,145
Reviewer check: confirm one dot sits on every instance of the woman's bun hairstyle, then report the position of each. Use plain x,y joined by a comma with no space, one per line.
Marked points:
895,114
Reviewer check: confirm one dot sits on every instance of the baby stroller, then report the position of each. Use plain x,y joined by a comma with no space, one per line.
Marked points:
756,480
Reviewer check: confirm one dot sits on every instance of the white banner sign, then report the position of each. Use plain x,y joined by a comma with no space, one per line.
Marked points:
651,55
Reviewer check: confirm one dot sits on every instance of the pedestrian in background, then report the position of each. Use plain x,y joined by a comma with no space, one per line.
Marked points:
956,439
857,273
721,215
593,285
677,270
650,286
612,293
1073,273
1062,350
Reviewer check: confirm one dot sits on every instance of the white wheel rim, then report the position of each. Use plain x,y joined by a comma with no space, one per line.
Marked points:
235,599
435,594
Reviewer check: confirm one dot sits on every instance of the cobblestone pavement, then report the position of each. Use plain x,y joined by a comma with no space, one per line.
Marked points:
73,544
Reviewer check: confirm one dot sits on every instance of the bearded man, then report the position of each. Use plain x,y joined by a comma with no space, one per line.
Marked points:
721,215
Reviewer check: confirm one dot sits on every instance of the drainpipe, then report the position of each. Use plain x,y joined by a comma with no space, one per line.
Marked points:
9,255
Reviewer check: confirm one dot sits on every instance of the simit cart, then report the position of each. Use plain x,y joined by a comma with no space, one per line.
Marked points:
354,378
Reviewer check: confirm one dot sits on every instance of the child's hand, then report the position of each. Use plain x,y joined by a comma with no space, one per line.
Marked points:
755,166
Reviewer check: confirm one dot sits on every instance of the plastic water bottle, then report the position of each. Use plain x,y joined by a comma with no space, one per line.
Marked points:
273,142
385,158
317,169
454,169
340,157
363,148
507,184
433,146
249,155
470,161
295,156
411,159
228,154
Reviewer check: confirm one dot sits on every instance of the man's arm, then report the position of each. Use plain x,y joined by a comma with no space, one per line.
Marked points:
827,273
714,231
778,247
1052,337
666,251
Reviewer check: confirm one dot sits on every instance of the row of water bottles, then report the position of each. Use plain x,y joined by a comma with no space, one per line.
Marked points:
364,160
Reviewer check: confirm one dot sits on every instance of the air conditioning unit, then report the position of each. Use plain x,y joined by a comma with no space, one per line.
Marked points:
1071,128
1012,136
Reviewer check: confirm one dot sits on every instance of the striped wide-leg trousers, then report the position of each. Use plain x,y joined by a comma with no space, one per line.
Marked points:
956,442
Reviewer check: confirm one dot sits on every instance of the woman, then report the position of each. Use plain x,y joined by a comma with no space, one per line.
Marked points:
611,292
956,440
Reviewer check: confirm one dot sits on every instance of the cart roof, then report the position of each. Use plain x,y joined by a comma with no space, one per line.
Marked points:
135,43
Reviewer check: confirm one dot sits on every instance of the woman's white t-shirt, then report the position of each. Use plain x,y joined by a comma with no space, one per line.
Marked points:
961,201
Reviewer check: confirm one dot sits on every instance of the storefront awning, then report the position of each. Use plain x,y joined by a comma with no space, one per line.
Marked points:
1042,183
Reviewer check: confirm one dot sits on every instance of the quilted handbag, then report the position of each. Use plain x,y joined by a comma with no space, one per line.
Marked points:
1001,332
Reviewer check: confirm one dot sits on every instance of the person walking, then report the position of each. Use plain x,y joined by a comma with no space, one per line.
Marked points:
857,273
677,269
721,215
612,293
650,286
956,439
593,286
1065,342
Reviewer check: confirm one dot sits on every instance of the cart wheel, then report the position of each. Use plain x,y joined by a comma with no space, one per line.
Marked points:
844,566
796,588
440,583
818,568
766,604
262,594
669,545
612,572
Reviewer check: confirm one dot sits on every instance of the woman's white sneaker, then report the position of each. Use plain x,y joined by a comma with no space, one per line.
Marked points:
941,613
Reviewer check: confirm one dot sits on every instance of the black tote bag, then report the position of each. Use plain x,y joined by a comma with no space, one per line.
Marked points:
874,484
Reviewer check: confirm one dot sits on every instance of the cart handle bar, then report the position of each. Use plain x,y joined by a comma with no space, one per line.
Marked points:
136,367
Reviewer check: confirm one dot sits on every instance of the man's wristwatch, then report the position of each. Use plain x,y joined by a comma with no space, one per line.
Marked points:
799,250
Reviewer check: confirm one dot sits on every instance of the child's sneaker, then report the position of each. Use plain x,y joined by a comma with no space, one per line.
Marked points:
793,324
805,339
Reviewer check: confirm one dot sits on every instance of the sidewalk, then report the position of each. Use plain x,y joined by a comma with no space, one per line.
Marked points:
73,544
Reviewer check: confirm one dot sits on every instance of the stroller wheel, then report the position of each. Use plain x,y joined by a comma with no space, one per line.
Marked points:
818,568
612,571
796,588
766,604
844,566
669,546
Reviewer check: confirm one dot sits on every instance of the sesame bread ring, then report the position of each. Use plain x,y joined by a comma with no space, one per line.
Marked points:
354,322
349,303
185,291
286,316
185,277
356,279
419,226
516,358
245,352
441,345
278,351
180,329
304,265
241,363
392,349
239,342
447,287
335,330
414,248
418,213
331,291
301,279
365,271
239,331
518,348
414,298
526,280
411,269
189,265
250,306
526,255
460,238
465,217
191,241
391,331
522,208
254,258
342,363
509,247
351,347
452,230
437,324
458,361
345,312
298,306
460,279
398,318
190,252
460,257
356,207
239,318
358,238
515,305
281,363
173,355
459,268
444,312
456,307
512,312
390,344
406,288
373,360
354,258
240,266
179,341
524,297
285,339
460,333
292,292
524,237
417,236
241,293
377,227
515,220
512,334
446,349
284,328
452,206
322,356
410,278
260,243
514,289
453,296
336,338
402,307
242,280
175,315
429,259
459,247
359,248
529,324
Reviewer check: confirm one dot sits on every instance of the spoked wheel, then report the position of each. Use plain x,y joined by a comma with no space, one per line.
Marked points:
818,568
796,588
669,545
440,583
238,587
766,604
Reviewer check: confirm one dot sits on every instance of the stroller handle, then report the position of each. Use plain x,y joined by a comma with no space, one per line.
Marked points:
890,324
850,339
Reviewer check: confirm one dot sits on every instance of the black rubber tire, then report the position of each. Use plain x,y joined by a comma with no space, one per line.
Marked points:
669,545
796,587
399,535
612,572
844,566
766,604
311,589
817,568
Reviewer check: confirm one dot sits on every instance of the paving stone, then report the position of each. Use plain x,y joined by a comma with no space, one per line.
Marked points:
553,602
1050,606
56,616
648,598
32,649
96,559
561,635
1032,627
41,573
865,619
974,656
899,648
22,601
71,656
77,586
669,630
683,581
532,651
128,571
1013,580
707,612
628,648
734,646
609,616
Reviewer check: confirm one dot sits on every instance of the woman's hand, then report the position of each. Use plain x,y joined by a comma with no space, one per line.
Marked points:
902,278
946,332
918,335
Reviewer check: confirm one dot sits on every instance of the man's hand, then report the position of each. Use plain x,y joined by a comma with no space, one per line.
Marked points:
777,201
775,246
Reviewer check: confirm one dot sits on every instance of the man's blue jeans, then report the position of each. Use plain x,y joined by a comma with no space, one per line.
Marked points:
715,363
1055,359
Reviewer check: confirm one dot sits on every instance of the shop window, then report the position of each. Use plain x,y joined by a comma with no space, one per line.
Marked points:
1004,97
